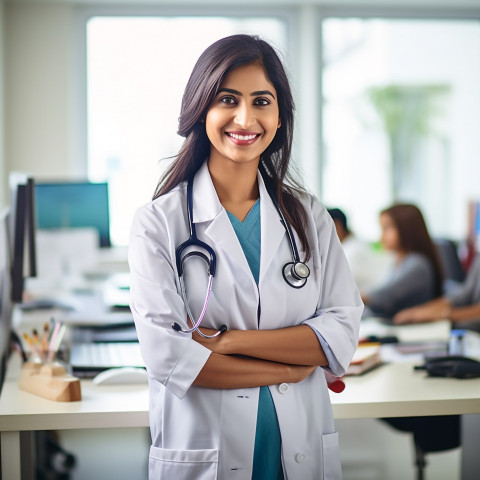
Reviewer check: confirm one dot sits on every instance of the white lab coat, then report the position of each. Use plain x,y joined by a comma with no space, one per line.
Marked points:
206,434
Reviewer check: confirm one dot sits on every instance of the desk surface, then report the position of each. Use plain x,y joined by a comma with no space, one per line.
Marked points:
393,390
389,391
101,406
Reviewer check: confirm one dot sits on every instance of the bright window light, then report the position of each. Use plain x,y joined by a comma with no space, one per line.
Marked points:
400,120
137,70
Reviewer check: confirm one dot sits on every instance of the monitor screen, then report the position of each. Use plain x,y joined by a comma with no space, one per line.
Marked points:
22,232
73,205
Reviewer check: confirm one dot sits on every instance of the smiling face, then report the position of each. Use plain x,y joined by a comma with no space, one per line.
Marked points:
243,118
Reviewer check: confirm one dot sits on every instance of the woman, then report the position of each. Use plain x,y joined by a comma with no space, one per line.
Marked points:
250,402
461,305
416,276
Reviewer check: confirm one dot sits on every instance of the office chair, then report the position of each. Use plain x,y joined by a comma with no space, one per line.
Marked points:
53,462
430,434
452,267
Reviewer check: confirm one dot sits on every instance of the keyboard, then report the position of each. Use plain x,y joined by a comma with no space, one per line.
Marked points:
88,359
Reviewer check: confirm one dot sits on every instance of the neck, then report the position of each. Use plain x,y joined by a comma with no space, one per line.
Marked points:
235,183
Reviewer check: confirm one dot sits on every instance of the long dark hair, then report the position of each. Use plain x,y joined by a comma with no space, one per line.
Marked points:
215,63
414,237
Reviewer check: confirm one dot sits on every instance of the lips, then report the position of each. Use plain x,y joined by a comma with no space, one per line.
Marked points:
244,138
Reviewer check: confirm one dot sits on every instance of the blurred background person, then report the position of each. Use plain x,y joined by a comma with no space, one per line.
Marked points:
416,275
461,306
367,265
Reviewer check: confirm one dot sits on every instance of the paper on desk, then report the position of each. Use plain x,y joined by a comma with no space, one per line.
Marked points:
434,331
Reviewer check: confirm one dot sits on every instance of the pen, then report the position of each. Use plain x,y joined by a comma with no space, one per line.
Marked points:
46,327
31,344
28,340
53,337
55,341
36,341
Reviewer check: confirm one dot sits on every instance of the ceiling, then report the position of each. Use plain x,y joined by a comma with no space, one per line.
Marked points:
447,4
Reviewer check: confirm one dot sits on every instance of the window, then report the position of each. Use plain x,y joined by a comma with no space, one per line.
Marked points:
137,70
400,119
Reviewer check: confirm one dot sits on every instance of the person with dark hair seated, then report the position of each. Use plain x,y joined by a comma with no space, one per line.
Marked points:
416,276
461,306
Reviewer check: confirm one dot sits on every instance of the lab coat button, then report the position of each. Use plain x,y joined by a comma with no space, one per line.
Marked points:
300,457
283,388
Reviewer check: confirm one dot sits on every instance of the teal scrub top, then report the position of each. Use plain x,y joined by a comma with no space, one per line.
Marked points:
267,462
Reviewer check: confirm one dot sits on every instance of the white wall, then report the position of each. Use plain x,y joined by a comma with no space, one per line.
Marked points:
2,122
39,84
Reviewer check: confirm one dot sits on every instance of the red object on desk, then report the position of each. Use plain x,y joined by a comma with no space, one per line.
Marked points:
335,384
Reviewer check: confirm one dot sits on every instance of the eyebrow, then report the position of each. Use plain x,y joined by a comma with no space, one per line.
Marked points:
253,94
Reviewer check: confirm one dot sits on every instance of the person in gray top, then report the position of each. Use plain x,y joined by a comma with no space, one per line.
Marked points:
461,306
417,275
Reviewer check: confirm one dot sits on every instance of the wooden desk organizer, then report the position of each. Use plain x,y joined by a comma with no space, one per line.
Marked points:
50,381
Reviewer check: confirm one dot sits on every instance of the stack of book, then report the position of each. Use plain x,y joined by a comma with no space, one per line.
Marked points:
365,358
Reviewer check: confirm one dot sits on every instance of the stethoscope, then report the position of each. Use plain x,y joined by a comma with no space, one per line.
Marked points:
295,272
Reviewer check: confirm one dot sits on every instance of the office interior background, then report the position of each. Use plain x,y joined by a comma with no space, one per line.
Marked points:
387,98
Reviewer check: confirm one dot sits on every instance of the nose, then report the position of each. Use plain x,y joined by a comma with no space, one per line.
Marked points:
244,115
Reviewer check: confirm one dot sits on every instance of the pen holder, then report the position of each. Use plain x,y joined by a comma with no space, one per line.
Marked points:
50,381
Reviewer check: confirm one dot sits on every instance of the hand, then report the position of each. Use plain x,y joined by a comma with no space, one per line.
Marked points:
216,344
409,315
429,312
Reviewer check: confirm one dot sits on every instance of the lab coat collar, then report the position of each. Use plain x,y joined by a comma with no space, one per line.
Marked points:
207,207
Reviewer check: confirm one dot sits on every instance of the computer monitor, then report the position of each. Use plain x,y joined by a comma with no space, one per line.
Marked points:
5,290
73,204
22,232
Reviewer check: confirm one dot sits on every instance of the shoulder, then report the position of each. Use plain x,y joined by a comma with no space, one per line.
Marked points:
413,258
417,262
161,210
320,227
313,207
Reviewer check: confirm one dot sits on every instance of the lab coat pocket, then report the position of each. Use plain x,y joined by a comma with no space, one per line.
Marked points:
332,468
182,464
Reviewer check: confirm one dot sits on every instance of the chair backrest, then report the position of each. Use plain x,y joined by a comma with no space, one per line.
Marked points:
452,267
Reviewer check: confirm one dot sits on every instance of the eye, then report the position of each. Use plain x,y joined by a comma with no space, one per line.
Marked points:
261,102
228,99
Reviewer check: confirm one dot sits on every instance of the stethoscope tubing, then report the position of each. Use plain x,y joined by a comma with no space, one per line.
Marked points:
196,325
290,276
286,225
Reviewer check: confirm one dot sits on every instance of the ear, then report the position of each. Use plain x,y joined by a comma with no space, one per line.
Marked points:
279,122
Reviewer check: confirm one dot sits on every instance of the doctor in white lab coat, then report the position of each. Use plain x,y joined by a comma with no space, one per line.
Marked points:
204,393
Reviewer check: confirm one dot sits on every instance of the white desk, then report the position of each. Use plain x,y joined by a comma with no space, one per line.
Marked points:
391,390
396,390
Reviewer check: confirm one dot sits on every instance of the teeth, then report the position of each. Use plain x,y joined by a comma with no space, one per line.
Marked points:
242,137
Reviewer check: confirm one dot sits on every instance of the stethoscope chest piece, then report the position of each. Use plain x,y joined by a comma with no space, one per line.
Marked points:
296,274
